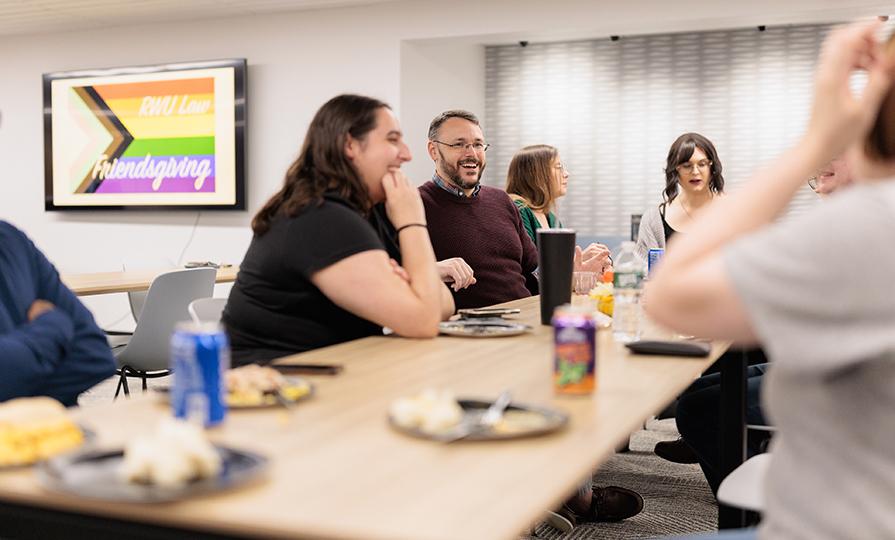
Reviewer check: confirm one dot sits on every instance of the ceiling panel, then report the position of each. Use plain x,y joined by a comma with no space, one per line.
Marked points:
39,16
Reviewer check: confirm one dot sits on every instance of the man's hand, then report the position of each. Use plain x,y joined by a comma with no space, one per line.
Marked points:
456,272
38,308
593,258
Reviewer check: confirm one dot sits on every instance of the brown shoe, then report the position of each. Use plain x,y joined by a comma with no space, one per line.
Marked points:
610,503
613,503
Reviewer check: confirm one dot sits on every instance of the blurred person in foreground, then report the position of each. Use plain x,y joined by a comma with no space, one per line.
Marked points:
698,412
815,292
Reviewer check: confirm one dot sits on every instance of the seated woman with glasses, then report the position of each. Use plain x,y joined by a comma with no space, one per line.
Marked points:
324,265
692,180
535,180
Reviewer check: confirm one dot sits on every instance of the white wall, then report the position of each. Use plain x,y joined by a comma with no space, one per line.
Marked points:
437,75
296,62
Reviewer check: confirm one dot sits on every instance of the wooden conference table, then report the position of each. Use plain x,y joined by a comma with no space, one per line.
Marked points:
338,470
127,281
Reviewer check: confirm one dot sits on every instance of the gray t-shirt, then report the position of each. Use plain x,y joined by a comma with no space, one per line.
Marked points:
820,294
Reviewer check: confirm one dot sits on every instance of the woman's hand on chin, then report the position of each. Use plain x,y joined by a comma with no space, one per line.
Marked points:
403,204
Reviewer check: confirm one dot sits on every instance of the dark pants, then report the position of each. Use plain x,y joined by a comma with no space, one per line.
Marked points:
699,420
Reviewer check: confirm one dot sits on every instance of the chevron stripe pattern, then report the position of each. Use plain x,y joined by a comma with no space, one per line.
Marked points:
144,137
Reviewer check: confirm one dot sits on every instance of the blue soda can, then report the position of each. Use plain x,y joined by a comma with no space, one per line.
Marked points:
200,353
655,255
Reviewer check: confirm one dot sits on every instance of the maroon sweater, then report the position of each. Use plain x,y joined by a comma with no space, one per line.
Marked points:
486,231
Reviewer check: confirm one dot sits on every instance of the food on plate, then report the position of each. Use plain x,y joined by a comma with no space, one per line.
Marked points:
602,294
254,385
175,454
33,429
431,411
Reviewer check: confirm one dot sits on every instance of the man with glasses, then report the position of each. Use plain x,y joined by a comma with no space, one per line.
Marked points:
481,225
475,224
49,342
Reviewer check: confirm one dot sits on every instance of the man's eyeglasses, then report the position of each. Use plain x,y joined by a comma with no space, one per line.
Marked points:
702,164
460,147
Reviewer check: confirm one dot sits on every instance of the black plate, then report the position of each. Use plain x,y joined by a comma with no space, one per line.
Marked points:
474,408
95,474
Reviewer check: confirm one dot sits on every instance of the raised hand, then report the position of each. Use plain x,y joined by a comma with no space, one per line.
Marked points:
593,258
839,116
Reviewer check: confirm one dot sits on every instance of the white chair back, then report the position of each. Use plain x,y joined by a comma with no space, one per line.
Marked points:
207,309
744,487
166,305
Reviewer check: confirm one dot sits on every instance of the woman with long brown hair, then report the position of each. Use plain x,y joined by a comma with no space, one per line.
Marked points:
536,178
323,266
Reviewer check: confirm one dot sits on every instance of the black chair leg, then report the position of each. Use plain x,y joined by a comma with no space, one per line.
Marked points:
145,386
118,389
127,391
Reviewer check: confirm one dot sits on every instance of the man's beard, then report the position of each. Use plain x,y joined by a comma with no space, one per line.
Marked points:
453,172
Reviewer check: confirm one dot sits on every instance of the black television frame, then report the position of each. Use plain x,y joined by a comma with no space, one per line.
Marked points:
239,66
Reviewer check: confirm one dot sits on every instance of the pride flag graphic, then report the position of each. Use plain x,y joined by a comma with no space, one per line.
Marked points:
153,136
160,137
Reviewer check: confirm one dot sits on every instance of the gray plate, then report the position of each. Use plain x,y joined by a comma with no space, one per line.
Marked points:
491,327
473,410
94,474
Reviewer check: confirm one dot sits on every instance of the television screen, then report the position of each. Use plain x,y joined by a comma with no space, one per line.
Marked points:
164,136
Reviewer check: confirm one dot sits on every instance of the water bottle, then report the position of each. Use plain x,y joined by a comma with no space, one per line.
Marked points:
627,284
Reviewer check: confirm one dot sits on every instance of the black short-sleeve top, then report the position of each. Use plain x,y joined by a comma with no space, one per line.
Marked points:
274,309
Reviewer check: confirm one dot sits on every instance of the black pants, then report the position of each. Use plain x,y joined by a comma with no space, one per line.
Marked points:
699,419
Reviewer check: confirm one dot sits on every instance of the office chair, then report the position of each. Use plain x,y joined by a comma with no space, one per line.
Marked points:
147,353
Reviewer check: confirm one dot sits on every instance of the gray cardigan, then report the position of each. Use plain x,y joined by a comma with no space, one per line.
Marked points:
651,234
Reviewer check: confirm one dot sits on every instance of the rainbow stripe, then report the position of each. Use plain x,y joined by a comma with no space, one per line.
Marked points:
162,137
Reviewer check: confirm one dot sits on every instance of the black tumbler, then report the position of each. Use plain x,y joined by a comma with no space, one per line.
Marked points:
556,256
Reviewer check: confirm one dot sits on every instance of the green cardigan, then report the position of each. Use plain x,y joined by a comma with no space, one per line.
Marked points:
530,221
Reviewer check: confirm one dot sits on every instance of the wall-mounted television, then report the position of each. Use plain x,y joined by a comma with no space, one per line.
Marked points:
166,136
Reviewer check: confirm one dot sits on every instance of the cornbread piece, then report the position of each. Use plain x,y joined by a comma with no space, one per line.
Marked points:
32,429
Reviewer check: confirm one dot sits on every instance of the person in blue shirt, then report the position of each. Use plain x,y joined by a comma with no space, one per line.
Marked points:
49,343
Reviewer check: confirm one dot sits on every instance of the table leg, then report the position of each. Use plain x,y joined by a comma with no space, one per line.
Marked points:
733,430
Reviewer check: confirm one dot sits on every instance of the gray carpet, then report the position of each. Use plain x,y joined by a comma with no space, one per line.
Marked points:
676,498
